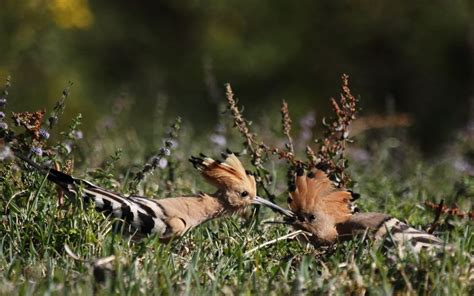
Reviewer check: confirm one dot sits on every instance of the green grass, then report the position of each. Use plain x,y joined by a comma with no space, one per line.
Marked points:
211,259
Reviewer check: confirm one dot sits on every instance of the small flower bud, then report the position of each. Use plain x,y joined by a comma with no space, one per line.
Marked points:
3,102
3,126
37,150
163,163
155,160
78,135
139,176
219,140
147,168
6,153
165,151
170,143
68,148
44,133
52,120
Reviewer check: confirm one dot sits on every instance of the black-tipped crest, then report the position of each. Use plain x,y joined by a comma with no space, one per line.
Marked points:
299,171
229,152
227,174
314,194
354,196
322,166
292,187
197,162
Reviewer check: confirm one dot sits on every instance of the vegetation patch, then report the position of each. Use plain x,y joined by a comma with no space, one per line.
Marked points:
53,244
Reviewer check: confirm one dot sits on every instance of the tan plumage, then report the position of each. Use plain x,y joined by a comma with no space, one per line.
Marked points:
318,205
325,211
315,194
229,177
170,217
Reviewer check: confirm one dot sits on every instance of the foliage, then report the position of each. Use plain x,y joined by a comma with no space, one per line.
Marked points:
417,54
63,247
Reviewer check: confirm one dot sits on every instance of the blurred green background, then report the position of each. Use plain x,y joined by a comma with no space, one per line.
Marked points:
414,57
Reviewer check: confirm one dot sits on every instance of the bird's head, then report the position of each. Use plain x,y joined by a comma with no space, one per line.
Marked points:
318,205
236,186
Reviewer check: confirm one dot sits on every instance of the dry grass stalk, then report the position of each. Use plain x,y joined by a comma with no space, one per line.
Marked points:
330,156
286,126
31,121
454,211
242,124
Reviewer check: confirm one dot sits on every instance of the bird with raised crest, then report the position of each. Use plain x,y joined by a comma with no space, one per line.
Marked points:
170,217
328,215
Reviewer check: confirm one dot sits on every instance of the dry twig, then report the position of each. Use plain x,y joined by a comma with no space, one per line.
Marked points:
454,211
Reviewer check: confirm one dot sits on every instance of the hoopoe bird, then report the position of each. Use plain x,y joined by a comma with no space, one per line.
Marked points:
328,214
170,217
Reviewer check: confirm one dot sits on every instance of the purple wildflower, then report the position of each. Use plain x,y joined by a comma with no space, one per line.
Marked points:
78,135
463,166
309,120
44,133
37,150
307,124
218,140
2,115
5,153
359,155
3,126
67,146
163,163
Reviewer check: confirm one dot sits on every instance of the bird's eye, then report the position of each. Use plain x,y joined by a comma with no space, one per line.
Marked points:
244,194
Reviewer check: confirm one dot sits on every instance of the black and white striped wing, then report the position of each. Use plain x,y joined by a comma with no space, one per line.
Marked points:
394,230
143,215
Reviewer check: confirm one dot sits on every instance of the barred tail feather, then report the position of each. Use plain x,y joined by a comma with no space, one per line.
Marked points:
389,230
137,212
64,180
143,215
400,233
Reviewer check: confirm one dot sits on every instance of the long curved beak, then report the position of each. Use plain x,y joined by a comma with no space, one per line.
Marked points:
261,201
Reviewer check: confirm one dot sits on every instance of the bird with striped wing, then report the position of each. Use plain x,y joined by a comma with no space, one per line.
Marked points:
328,214
170,217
